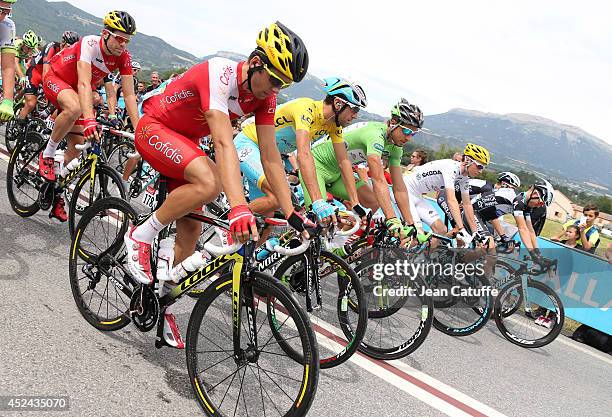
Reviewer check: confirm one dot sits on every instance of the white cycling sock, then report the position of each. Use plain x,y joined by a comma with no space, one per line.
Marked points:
147,231
49,151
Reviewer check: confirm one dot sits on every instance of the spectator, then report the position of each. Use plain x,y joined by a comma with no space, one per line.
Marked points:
140,91
155,81
417,158
458,156
589,235
572,234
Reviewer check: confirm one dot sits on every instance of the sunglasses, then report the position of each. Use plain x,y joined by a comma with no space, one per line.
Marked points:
119,38
275,80
478,165
5,10
355,109
407,131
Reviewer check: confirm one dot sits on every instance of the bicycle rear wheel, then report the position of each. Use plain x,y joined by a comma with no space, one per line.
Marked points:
97,265
264,380
342,317
529,329
22,180
107,184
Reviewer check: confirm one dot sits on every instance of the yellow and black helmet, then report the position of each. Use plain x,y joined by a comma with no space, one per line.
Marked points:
284,50
477,153
119,20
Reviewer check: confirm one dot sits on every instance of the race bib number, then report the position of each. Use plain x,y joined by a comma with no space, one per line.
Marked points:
150,197
50,123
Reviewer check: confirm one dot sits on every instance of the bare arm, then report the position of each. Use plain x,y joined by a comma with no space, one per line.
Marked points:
306,164
111,97
18,71
469,211
380,186
526,232
273,166
226,156
8,74
401,194
84,89
129,96
346,170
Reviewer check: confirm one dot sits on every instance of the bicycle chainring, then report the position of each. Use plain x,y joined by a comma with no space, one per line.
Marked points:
144,308
46,195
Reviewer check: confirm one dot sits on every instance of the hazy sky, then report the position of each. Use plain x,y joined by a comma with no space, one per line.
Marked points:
548,58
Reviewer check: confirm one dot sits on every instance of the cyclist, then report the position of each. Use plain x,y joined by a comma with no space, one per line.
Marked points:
540,194
444,175
74,73
490,203
39,68
24,49
113,100
7,53
199,102
298,123
368,143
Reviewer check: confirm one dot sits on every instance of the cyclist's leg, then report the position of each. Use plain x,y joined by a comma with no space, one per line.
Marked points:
187,234
338,190
324,176
30,92
262,198
65,98
429,215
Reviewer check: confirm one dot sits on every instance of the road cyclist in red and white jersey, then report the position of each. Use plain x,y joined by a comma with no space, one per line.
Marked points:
74,73
200,102
39,68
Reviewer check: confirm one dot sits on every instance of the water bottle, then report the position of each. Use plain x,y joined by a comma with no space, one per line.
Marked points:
193,263
71,165
165,259
267,249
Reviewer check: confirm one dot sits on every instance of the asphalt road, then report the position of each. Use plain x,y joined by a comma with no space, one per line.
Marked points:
49,349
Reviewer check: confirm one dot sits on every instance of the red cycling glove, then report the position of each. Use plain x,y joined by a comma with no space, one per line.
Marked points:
89,127
240,219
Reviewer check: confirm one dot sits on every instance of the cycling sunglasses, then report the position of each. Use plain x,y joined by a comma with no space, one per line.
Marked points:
354,108
275,80
407,131
478,164
119,38
5,10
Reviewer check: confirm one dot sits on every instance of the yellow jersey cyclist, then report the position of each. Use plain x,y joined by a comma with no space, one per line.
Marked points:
367,143
25,48
7,52
298,123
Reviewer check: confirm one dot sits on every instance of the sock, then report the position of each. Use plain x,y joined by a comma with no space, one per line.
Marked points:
49,151
147,231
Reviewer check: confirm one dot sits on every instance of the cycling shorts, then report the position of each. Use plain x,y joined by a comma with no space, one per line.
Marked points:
52,86
422,210
329,179
167,151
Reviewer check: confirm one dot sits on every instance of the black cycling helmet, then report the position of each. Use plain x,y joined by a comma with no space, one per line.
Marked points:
69,37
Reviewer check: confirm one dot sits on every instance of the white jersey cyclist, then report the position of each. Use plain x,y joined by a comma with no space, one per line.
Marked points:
433,177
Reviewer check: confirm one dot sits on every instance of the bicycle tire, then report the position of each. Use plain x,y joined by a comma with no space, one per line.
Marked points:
78,204
465,305
95,266
118,155
205,319
347,291
27,149
421,308
11,135
503,322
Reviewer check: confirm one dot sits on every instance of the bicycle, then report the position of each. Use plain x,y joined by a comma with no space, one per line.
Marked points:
28,192
243,358
326,287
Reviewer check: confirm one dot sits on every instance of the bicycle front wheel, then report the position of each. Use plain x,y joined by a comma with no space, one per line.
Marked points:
22,180
342,315
262,380
536,326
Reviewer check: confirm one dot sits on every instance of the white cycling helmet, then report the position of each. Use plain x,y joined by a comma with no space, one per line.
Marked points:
546,191
135,65
509,178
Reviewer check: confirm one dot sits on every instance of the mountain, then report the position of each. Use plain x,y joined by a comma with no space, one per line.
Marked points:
527,142
50,20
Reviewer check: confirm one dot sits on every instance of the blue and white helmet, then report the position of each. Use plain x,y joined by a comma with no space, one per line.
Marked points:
509,178
352,93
